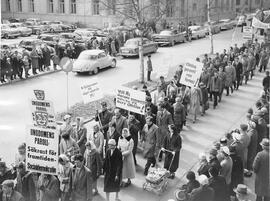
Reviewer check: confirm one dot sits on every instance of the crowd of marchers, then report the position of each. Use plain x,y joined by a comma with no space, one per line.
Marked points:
110,149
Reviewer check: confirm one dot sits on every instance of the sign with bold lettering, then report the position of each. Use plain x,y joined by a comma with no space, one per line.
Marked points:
247,33
42,150
260,25
131,100
91,91
191,73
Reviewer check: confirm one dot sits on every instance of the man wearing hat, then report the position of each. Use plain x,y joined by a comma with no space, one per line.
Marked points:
245,140
104,117
149,68
243,193
179,115
213,161
226,165
204,192
5,174
112,170
8,193
215,87
261,170
204,97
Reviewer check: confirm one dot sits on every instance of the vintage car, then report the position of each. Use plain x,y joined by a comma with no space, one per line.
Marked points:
71,36
49,39
24,31
9,32
197,32
131,47
226,24
36,27
65,27
92,61
215,27
28,44
169,37
52,28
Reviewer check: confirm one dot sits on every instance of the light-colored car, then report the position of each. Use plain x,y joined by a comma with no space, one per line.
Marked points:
65,27
226,24
169,37
52,28
9,32
92,61
131,47
36,27
215,27
24,31
197,32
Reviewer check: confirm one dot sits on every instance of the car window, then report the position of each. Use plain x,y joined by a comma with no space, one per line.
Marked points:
102,55
132,43
165,33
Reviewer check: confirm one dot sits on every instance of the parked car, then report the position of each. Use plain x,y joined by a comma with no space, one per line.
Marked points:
93,61
169,37
131,47
65,27
24,31
35,20
68,37
85,33
226,24
36,28
9,32
28,44
52,28
215,27
49,39
197,32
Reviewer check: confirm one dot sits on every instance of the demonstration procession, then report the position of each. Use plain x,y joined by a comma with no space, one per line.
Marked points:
100,157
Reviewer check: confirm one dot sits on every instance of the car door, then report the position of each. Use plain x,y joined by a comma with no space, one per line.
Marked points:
102,61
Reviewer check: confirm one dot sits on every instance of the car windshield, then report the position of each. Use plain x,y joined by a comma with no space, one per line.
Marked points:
132,43
67,36
165,33
194,28
87,56
48,38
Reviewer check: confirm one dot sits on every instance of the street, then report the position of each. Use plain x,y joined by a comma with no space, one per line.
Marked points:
15,113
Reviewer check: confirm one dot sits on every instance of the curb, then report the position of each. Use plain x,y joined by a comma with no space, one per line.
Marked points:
31,77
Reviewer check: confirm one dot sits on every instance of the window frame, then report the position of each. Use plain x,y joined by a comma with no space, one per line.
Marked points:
50,6
73,7
19,5
96,7
31,6
8,7
62,6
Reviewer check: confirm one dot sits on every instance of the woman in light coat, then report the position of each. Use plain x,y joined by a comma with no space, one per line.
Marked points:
195,101
125,145
98,138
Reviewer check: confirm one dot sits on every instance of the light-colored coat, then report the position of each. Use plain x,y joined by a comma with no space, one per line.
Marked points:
230,75
195,100
261,169
252,147
226,169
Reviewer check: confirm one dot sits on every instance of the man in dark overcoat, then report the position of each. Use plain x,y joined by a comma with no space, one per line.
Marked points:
104,117
112,168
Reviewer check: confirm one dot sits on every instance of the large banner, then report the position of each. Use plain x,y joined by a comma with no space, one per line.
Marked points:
131,100
247,33
42,150
260,25
191,73
91,91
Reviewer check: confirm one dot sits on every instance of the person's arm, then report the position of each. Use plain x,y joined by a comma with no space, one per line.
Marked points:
32,189
101,143
52,192
61,148
256,164
89,183
83,136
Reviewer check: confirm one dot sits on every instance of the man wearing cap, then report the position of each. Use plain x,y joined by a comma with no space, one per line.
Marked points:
226,165
204,100
149,137
149,68
243,193
8,193
261,170
245,140
215,87
105,116
213,161
204,192
112,167
149,103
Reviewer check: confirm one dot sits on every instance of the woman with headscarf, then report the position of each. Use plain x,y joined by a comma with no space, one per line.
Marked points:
93,163
65,169
98,138
125,145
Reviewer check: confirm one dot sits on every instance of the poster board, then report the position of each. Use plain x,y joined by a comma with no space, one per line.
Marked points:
247,33
91,91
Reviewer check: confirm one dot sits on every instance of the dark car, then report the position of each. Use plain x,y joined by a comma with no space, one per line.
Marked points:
36,28
65,27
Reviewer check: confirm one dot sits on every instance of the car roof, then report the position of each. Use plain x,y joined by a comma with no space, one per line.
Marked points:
224,20
194,27
92,52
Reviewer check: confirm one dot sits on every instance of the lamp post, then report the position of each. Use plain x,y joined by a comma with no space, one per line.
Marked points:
209,27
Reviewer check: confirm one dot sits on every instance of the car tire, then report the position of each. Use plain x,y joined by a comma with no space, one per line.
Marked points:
6,36
95,71
113,65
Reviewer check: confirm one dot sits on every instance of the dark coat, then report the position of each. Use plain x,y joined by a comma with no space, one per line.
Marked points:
15,196
47,56
190,186
134,128
163,120
203,169
81,135
121,123
28,189
150,136
214,163
51,192
261,169
203,193
220,187
172,143
237,176
215,84
252,147
81,184
179,113
112,167
238,70
105,118
93,163
8,175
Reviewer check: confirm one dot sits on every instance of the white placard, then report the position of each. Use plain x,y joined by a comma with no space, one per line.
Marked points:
43,113
42,150
247,33
91,91
131,100
259,25
191,73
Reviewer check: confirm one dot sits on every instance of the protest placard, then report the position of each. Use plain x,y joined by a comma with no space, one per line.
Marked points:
191,73
42,150
247,33
91,91
256,23
131,100
43,113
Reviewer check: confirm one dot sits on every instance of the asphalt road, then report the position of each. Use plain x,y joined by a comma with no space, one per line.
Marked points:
15,113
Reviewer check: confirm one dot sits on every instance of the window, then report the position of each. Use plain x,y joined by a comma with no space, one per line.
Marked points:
62,6
19,5
73,6
216,3
228,4
8,5
237,2
222,5
182,8
31,6
50,6
170,8
257,2
194,7
113,7
246,2
232,1
96,7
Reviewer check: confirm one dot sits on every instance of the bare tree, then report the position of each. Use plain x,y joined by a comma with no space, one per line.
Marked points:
141,13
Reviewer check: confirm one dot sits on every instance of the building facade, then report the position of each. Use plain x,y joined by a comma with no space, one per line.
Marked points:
104,13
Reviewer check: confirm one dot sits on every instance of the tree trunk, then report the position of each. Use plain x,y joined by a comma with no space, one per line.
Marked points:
141,60
209,26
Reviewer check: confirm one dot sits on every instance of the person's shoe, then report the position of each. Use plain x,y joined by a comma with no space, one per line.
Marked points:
159,160
172,175
145,172
95,193
127,183
248,174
